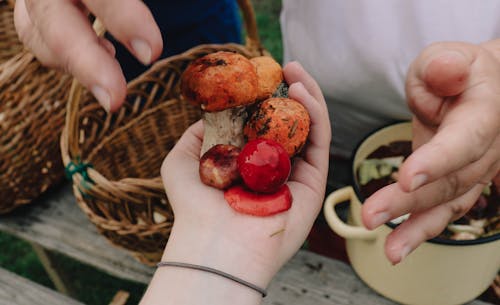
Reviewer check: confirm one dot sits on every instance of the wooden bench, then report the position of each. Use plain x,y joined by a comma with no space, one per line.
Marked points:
56,223
16,290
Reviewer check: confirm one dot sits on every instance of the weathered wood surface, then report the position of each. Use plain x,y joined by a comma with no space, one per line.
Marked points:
16,290
56,223
310,278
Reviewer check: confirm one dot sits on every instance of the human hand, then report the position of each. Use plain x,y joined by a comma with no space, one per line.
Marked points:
453,90
207,231
60,35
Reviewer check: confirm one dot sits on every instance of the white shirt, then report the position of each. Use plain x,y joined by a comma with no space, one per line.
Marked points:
359,52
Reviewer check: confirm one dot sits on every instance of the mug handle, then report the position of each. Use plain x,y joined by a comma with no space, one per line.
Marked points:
336,224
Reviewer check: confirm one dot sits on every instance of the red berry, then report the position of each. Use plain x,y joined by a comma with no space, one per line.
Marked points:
264,165
247,202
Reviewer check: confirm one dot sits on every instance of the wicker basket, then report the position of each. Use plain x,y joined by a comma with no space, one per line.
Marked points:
9,43
115,160
32,107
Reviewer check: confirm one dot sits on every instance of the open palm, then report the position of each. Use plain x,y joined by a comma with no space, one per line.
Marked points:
268,241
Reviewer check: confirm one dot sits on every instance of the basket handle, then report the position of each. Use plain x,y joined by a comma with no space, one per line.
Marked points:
69,143
252,40
10,3
69,140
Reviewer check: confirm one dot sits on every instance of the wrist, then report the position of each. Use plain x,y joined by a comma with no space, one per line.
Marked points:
206,245
215,248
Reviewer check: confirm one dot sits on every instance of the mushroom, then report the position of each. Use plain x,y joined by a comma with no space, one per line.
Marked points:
269,74
222,83
219,166
282,120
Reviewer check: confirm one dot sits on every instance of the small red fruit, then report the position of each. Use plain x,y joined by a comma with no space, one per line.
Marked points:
264,165
250,203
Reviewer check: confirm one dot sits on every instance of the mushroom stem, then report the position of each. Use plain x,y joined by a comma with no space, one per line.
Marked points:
224,127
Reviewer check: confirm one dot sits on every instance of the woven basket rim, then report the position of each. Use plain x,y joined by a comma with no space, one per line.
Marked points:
155,183
104,141
131,192
68,141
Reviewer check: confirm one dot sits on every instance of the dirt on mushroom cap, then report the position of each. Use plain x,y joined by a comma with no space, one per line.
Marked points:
282,120
270,75
220,80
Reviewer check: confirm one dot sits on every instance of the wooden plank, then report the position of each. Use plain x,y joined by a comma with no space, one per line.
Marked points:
16,290
120,298
56,223
310,278
58,279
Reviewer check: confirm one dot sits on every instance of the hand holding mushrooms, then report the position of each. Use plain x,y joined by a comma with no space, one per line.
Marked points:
249,135
208,231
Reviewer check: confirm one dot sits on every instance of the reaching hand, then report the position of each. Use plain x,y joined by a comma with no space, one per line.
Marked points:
453,90
60,35
207,231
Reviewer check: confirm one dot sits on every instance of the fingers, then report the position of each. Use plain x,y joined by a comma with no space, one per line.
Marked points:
421,133
30,36
295,73
426,225
134,26
441,71
59,34
451,90
67,33
190,142
392,201
183,159
317,149
458,143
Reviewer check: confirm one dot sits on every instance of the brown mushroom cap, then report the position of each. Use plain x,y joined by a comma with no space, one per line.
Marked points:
219,81
282,120
269,74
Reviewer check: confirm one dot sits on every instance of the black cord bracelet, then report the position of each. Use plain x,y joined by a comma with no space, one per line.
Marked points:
214,271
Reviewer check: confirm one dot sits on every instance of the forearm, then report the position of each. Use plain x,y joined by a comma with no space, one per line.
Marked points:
176,285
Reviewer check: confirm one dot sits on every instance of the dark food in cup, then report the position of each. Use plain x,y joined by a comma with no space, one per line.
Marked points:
380,168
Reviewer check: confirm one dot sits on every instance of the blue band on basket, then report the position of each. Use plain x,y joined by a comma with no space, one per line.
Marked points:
77,167
262,291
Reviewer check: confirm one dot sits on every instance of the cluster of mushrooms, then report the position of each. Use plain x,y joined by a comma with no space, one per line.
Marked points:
250,136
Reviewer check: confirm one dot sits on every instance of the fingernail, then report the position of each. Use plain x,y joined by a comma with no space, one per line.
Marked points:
404,253
298,64
142,50
299,85
379,219
102,96
418,181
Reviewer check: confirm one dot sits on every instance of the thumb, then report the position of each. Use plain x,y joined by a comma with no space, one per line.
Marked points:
187,150
439,74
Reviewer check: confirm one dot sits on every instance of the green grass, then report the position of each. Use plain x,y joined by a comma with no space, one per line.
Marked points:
18,257
91,286
269,27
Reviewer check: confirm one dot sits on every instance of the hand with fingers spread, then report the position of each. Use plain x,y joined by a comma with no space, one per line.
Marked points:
60,34
207,231
454,93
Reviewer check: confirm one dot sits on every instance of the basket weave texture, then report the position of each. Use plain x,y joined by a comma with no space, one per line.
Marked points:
32,107
115,159
9,43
